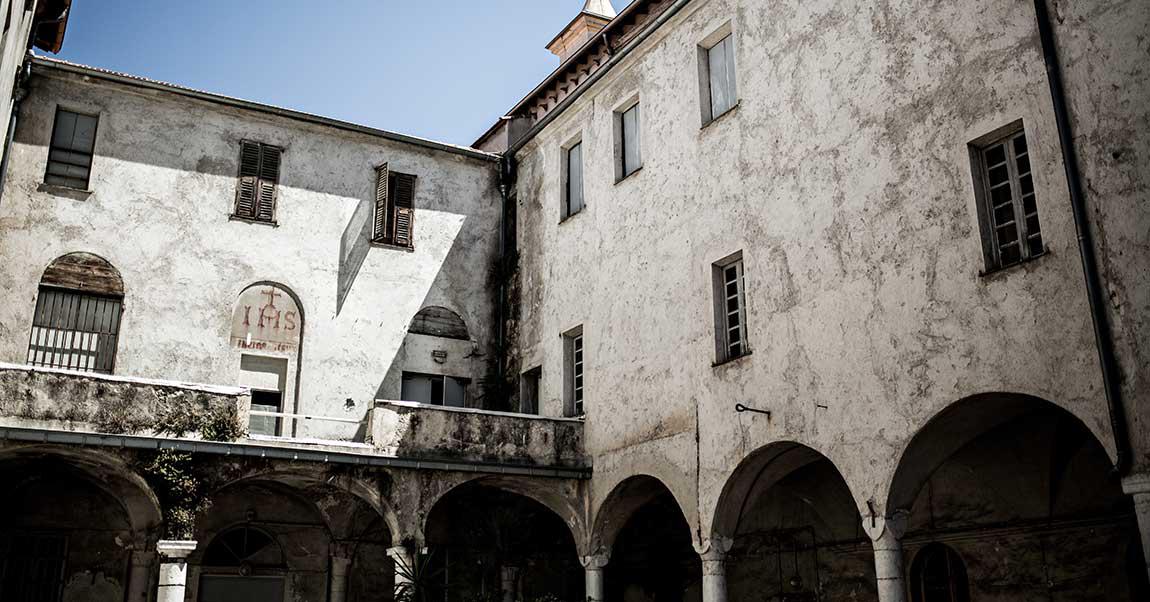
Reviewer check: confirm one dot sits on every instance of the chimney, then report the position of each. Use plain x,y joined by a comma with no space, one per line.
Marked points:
596,14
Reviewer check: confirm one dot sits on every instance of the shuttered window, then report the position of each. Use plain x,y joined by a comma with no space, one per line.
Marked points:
721,77
259,174
573,190
70,152
631,158
1012,233
730,309
75,330
394,217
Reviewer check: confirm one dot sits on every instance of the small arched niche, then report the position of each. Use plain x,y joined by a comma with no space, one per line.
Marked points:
437,359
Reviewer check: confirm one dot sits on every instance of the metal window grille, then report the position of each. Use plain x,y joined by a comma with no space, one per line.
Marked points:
75,330
1010,202
577,374
632,158
71,149
574,187
734,310
721,76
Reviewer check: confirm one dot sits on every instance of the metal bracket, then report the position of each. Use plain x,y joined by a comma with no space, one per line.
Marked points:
740,408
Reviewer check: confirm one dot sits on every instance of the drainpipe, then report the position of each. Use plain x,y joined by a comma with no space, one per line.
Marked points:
1094,289
18,93
506,182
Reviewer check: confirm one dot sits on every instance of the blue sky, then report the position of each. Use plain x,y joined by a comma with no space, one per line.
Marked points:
440,69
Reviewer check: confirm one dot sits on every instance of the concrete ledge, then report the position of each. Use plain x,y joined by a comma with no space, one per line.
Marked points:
412,430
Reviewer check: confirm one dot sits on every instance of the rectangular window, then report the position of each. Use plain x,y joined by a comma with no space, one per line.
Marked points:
630,154
1011,233
267,377
74,330
573,185
573,373
71,149
730,309
270,402
394,217
529,391
434,389
719,65
259,174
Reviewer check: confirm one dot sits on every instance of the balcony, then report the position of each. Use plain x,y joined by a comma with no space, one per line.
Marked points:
57,406
411,430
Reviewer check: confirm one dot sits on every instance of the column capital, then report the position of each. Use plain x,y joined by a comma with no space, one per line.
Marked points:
714,549
595,561
174,549
1136,484
893,526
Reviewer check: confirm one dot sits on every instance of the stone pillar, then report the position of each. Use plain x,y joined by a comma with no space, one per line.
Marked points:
1138,487
340,567
593,574
173,569
886,537
404,563
509,582
140,575
713,553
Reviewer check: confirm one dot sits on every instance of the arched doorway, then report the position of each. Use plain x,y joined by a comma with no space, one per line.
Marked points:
796,530
492,544
68,524
243,564
938,575
1022,492
652,557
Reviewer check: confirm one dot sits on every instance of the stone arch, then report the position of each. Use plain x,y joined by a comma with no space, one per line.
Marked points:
505,536
625,498
107,473
563,501
955,426
439,321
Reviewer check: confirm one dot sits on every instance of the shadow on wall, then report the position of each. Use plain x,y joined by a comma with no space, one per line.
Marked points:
354,245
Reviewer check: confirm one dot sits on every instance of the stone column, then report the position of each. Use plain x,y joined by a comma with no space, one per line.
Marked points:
1138,487
593,574
173,569
340,567
886,537
713,553
402,558
140,575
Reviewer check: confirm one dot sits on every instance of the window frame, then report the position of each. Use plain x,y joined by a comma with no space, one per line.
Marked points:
66,300
722,313
724,36
262,147
574,373
91,154
621,138
566,210
1006,138
391,209
461,381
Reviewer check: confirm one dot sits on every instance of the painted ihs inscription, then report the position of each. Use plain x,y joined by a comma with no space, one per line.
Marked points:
266,319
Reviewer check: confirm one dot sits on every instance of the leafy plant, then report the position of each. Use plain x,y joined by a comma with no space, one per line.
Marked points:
416,579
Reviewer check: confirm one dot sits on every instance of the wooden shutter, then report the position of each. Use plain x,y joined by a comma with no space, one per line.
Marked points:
269,176
404,209
249,180
379,229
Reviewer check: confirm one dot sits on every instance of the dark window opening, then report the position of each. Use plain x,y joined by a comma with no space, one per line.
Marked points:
938,575
266,401
434,389
529,391
33,568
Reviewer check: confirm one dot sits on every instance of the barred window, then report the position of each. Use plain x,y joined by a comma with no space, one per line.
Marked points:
573,355
71,150
76,324
1011,232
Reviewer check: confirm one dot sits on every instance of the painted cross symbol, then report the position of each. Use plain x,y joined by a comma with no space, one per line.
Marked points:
272,294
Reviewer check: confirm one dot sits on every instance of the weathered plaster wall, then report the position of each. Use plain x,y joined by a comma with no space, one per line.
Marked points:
845,179
162,188
1105,52
13,46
